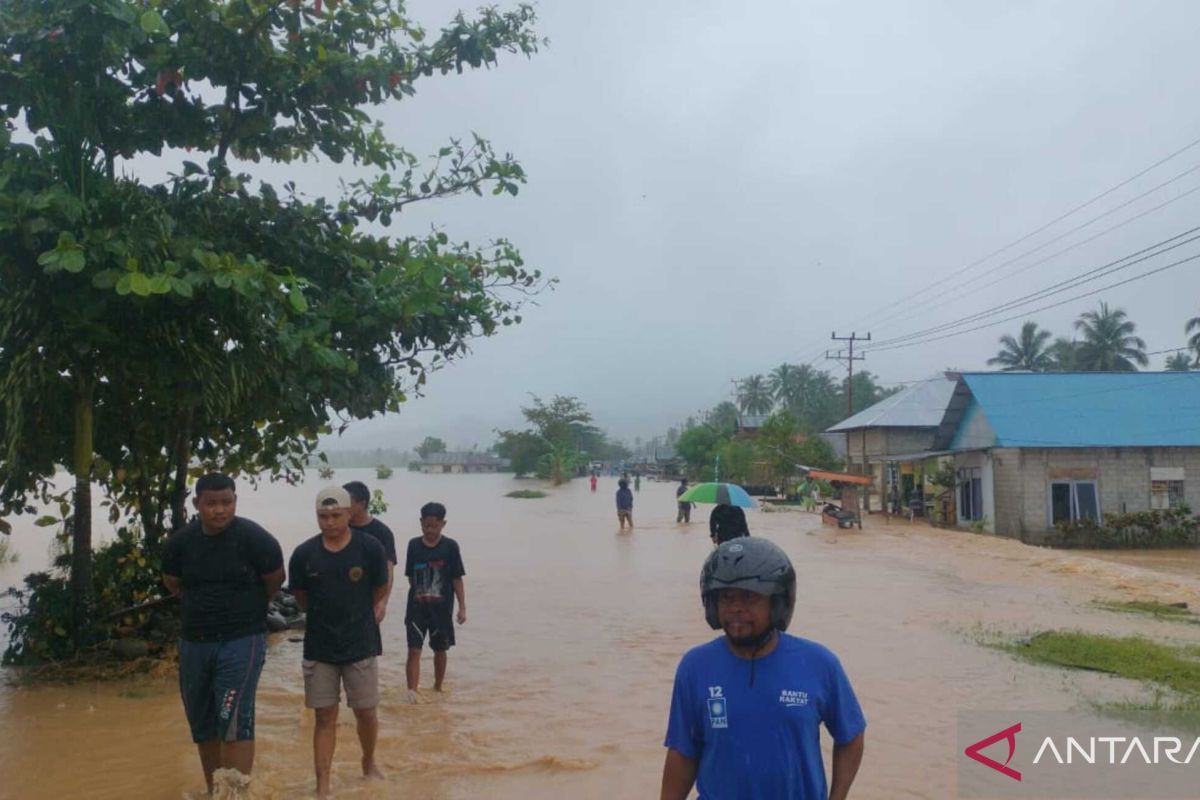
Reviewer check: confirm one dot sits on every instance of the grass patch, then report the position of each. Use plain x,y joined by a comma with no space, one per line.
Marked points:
1174,668
1152,608
527,494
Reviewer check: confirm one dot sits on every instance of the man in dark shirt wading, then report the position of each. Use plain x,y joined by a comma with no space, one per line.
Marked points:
434,567
224,569
339,577
361,520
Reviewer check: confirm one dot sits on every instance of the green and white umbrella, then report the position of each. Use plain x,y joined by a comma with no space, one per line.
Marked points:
729,494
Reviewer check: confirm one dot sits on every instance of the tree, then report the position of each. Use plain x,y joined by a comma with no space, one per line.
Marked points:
429,446
1193,327
523,449
1109,343
698,447
1179,362
779,444
723,418
1064,355
145,328
754,395
866,393
1026,352
737,460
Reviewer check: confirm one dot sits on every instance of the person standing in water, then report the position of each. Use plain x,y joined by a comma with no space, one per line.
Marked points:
224,569
339,578
624,504
684,511
637,481
434,568
747,707
727,522
593,482
362,520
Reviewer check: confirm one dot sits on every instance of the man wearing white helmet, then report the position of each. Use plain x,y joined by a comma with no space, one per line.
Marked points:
748,706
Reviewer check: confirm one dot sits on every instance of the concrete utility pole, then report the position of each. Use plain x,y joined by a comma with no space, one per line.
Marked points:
849,359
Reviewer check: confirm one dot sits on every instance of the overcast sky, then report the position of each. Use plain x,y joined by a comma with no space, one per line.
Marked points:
720,185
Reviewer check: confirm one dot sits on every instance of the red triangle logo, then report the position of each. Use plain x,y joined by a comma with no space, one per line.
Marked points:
1009,735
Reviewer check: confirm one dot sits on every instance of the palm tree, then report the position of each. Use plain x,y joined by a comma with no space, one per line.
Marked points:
1109,343
1027,353
783,383
1064,355
754,397
1180,362
1193,324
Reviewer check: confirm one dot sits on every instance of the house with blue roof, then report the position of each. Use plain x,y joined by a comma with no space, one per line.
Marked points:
1033,449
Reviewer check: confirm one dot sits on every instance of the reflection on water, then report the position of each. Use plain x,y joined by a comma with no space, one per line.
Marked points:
560,683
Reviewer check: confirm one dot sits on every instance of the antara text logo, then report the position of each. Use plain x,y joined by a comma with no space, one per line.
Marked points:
1111,750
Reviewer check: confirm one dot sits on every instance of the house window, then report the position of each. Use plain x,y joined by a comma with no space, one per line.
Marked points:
1166,487
1071,501
970,494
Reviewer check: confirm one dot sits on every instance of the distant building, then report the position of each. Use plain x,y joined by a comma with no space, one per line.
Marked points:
455,463
1034,449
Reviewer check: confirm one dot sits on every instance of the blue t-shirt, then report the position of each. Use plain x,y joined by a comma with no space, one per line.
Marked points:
761,742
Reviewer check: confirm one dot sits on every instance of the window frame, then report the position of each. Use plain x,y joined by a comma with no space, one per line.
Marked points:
1074,510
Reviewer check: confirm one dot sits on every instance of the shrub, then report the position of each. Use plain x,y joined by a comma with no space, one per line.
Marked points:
1176,527
124,576
383,472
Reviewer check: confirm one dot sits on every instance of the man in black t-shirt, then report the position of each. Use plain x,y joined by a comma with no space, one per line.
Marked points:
434,567
224,569
361,520
339,578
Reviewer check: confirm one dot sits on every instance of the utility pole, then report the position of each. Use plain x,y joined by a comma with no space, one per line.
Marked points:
849,358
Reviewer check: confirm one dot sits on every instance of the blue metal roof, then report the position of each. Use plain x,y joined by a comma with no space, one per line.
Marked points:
1079,409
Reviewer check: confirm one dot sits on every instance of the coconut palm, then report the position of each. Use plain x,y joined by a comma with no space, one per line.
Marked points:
1193,324
1064,355
754,395
783,382
1028,352
1109,343
1180,362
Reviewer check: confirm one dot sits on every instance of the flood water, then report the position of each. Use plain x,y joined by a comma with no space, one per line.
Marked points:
560,682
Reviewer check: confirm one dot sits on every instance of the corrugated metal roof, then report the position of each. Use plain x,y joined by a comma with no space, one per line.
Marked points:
920,405
1089,409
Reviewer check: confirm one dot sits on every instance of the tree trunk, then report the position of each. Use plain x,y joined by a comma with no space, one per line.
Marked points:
81,534
183,455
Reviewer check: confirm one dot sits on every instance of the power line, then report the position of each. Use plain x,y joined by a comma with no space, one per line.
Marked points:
1087,276
1092,201
957,293
1061,217
1043,308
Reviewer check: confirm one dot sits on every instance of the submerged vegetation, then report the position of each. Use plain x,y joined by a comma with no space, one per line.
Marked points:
1173,668
527,494
1175,612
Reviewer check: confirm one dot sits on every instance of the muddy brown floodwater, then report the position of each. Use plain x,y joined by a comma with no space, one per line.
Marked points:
560,683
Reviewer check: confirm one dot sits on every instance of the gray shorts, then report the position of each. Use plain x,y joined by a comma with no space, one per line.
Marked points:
323,682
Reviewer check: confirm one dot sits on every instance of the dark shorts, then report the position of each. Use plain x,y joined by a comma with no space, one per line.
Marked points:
218,681
434,619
